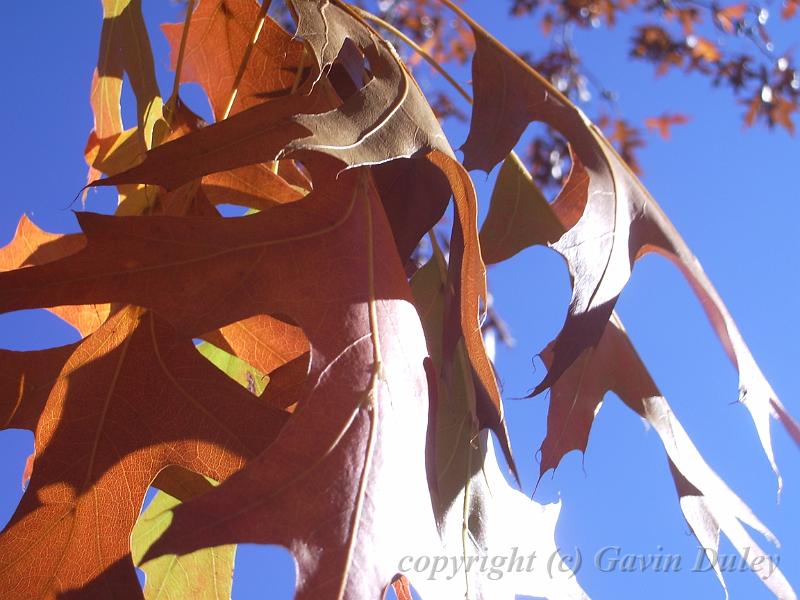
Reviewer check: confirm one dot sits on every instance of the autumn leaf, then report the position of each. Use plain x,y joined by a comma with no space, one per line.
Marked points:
206,573
256,135
254,186
518,216
276,498
619,220
478,513
25,383
467,280
415,194
362,130
612,365
706,501
123,28
33,246
346,413
705,50
663,123
388,117
262,341
407,128
219,34
402,588
267,343
181,483
730,16
177,265
101,437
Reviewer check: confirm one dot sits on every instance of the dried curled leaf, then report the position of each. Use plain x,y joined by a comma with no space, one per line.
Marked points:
619,221
612,365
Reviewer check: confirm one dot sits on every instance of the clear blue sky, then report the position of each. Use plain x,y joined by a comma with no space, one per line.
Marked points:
732,193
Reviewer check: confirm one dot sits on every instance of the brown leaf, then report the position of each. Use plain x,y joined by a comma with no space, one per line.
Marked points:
366,377
515,221
467,280
327,262
25,382
415,194
663,123
326,26
33,246
254,136
265,342
181,483
123,28
219,33
613,365
706,50
130,399
385,119
254,186
620,220
479,515
706,501
402,588
729,16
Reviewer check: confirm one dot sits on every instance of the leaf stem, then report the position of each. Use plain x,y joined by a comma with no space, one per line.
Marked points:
477,28
176,82
262,17
465,519
372,389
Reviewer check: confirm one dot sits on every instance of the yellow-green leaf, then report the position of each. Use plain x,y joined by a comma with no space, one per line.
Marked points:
206,573
235,368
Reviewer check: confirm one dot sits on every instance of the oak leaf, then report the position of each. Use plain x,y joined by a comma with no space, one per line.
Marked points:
219,34
706,501
328,487
207,573
34,246
612,365
202,273
619,220
479,515
129,400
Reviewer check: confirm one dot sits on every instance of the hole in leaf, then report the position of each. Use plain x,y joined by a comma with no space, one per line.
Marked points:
232,210
35,329
350,71
263,567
